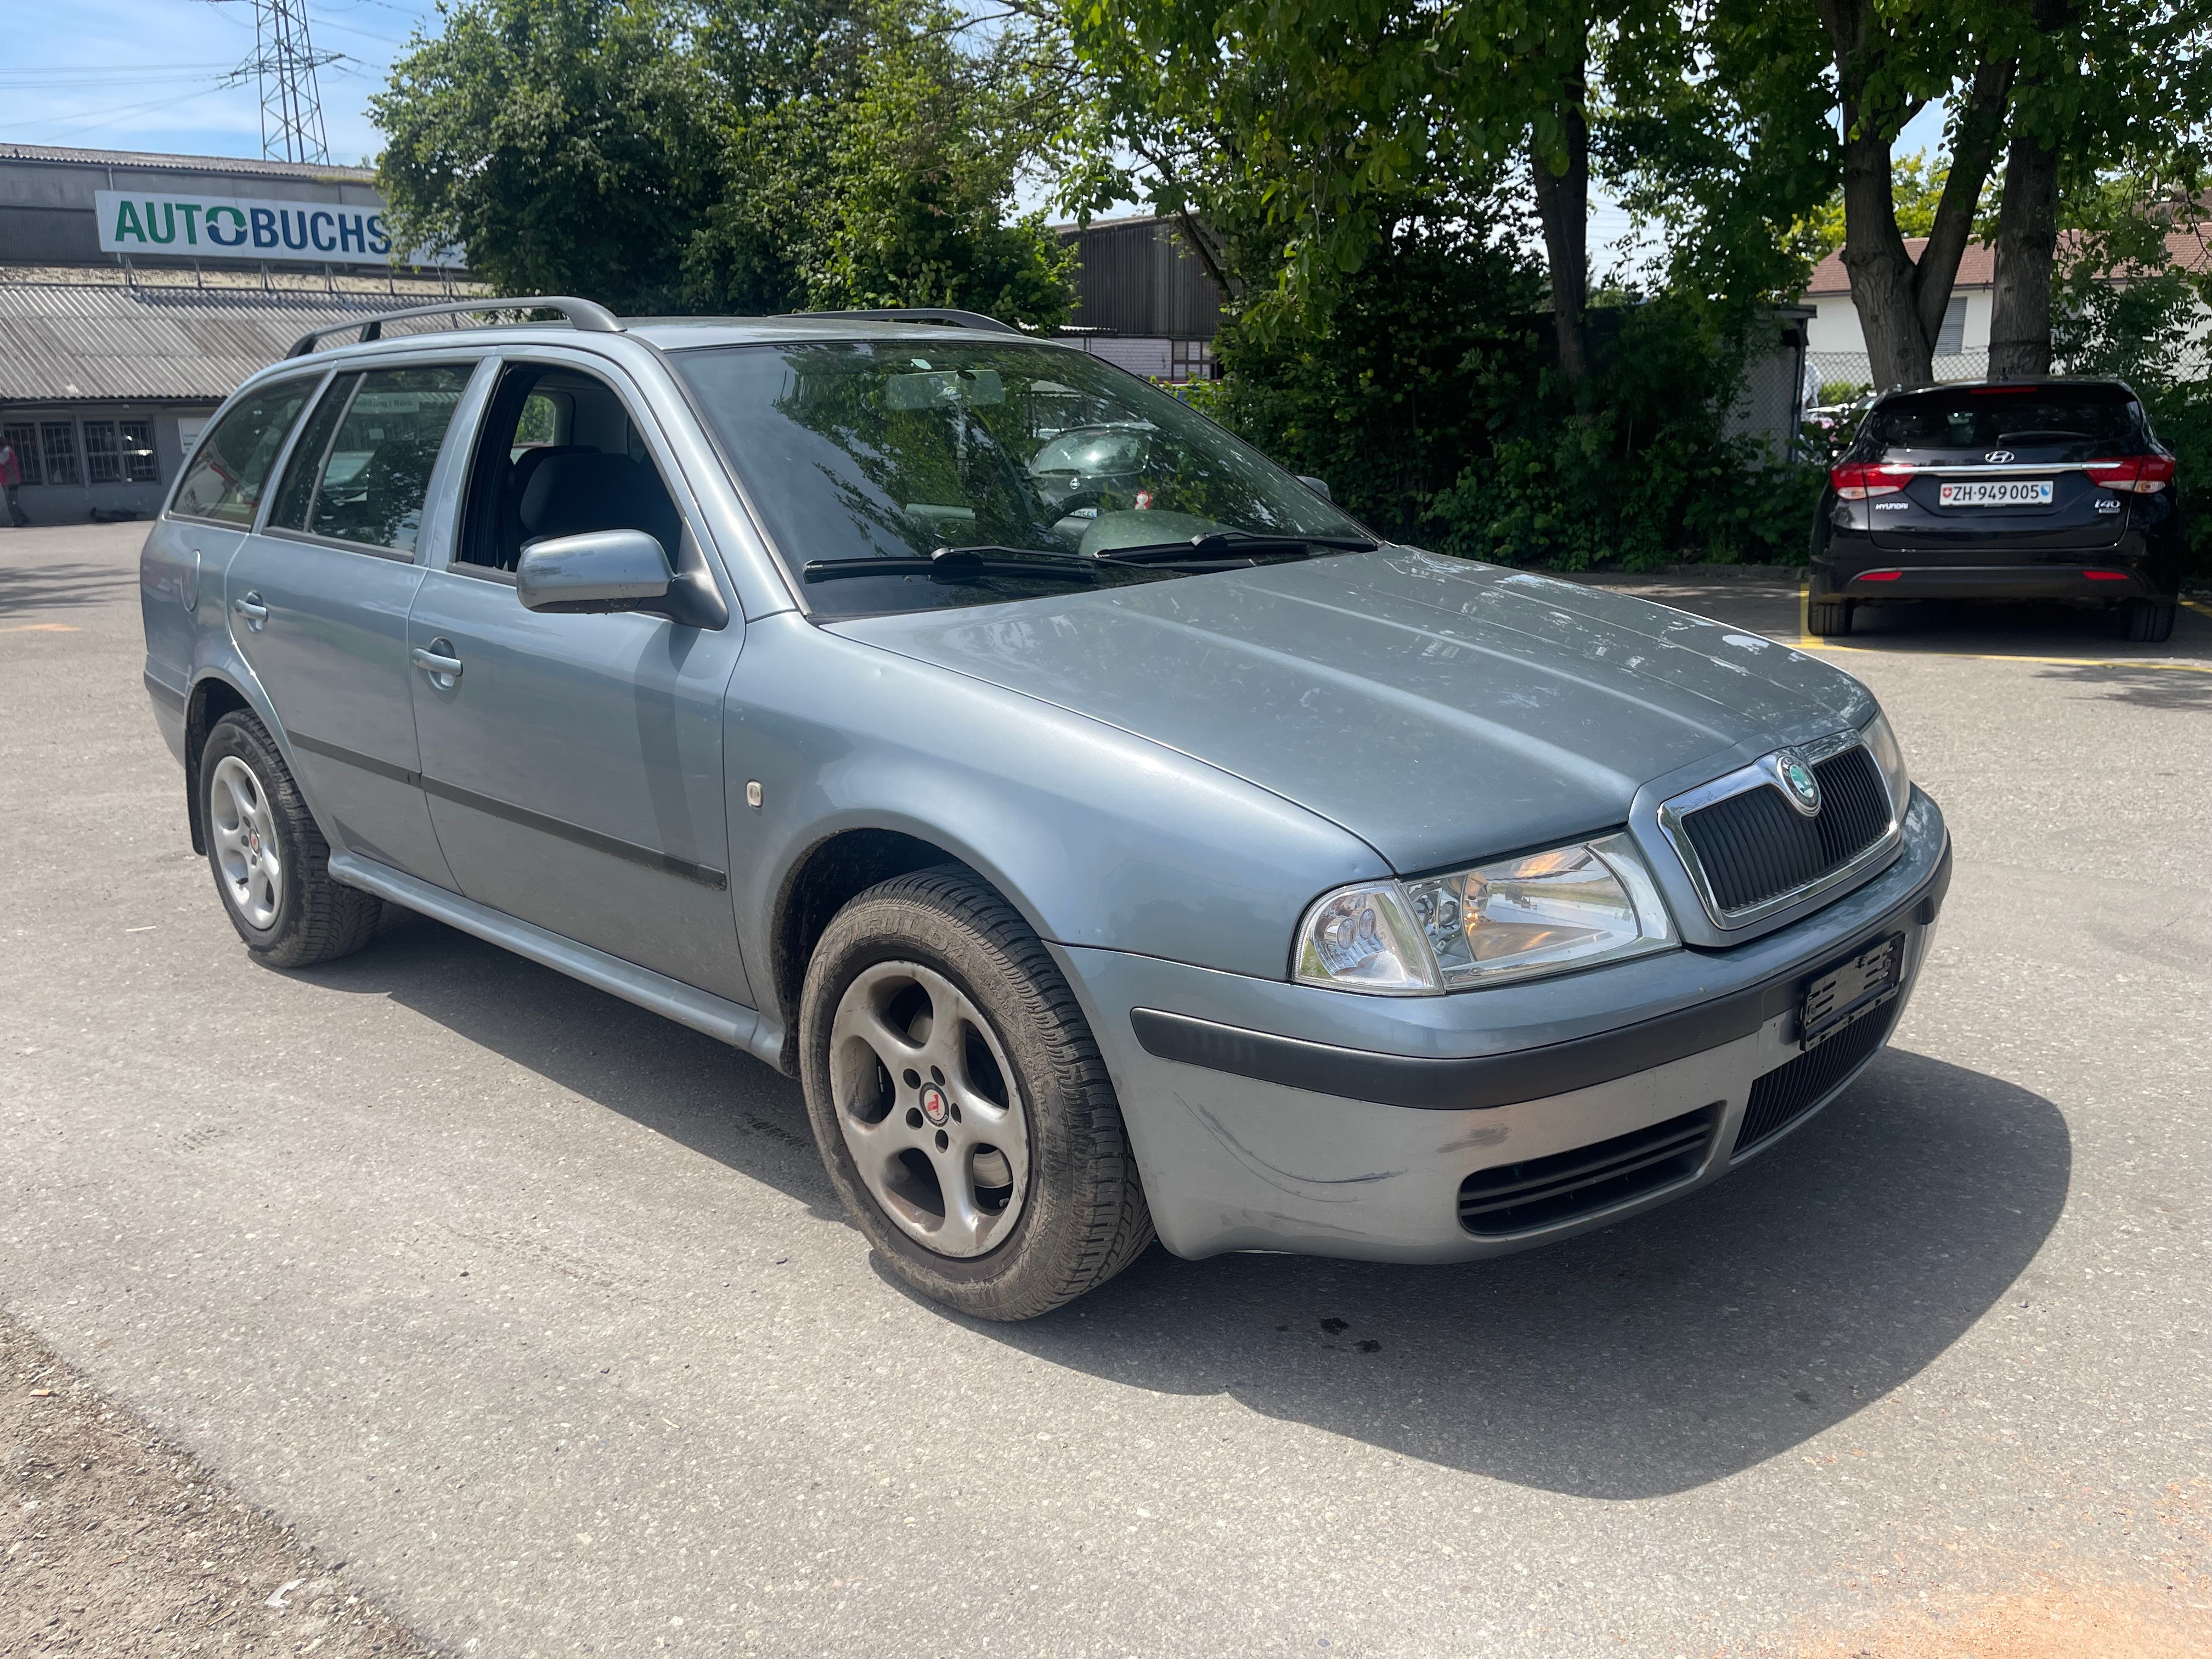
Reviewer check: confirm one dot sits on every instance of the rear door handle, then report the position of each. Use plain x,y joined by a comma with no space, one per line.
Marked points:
249,606
437,661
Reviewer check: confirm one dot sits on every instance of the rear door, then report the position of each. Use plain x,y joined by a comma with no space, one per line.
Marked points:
1999,471
319,597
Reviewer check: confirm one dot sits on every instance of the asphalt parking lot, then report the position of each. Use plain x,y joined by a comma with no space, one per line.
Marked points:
537,1311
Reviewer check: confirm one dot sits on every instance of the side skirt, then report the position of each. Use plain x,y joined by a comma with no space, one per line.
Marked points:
728,1022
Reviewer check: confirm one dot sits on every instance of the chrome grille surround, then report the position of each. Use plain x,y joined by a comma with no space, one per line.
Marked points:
1766,772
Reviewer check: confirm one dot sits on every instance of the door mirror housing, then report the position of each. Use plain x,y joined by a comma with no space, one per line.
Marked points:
601,570
1318,486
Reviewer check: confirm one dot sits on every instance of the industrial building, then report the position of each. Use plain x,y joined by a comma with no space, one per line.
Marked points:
1143,299
136,291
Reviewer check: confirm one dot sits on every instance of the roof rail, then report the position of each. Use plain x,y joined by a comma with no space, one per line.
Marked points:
584,314
920,315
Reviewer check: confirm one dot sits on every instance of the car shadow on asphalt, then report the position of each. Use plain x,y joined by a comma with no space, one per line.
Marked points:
2023,628
58,586
1674,1350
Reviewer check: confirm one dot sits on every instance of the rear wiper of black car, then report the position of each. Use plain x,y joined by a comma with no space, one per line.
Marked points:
961,564
1216,546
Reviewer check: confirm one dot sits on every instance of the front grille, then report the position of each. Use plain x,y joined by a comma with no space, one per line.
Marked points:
1794,1088
1542,1191
1755,846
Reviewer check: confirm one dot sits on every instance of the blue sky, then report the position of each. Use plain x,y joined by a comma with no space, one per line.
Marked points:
147,73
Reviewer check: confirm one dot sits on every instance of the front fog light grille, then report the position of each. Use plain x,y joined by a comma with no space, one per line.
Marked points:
1755,847
1541,1192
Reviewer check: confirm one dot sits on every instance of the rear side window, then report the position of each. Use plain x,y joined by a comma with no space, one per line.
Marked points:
362,473
1980,419
230,465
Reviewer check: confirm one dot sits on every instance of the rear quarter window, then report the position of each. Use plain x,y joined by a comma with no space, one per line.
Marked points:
230,465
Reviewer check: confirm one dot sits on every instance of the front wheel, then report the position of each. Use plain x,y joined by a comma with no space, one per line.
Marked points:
960,1104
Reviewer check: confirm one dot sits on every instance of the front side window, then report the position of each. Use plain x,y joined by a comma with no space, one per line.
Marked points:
362,471
881,450
230,465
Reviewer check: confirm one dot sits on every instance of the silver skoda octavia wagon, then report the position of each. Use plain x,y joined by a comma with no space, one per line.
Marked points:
1115,838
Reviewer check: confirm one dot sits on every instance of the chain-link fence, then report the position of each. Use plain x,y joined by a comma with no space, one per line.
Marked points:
1836,377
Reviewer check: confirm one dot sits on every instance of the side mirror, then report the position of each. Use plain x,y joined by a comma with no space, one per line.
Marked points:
1318,486
600,570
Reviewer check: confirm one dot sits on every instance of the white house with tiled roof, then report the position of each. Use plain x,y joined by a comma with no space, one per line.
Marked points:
1835,345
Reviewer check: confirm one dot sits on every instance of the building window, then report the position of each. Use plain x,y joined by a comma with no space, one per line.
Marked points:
139,466
24,441
1190,360
103,453
57,443
1951,338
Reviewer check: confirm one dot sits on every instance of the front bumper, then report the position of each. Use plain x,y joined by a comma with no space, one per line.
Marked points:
1353,1138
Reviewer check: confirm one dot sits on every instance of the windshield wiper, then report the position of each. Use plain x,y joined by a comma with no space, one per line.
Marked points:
961,564
1217,546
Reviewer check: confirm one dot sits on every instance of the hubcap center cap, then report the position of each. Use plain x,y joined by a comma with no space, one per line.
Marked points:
934,1106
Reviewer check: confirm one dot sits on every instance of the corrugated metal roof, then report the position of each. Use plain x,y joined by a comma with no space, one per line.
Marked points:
243,165
69,343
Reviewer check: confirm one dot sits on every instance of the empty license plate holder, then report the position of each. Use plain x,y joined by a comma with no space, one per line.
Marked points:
1842,995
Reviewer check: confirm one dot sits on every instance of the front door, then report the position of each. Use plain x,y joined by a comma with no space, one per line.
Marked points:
574,763
319,597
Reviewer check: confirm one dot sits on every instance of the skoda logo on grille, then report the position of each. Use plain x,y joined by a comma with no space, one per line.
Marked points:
1797,780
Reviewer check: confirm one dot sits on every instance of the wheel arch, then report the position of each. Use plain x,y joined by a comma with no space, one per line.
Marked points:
210,698
825,878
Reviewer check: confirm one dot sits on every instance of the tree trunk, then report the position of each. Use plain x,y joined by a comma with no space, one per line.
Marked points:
1973,153
2027,242
1563,209
1883,290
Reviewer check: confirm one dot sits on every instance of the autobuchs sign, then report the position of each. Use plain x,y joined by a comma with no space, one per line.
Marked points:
249,228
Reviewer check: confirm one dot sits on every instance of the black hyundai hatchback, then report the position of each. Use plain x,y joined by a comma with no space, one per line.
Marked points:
2040,490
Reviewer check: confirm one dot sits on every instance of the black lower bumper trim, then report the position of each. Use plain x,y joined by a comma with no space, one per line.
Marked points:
1479,1082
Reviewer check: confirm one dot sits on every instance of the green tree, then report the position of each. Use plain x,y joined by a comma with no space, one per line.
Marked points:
754,155
556,140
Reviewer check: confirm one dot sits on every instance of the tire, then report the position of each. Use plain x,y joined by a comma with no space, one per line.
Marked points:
2147,621
287,909
935,969
1829,619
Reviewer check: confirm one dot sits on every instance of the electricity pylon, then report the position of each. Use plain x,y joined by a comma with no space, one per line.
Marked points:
284,62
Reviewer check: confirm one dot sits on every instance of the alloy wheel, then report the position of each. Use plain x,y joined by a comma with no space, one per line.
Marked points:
926,1101
248,855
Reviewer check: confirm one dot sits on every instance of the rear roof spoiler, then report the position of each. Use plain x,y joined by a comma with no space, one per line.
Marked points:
583,315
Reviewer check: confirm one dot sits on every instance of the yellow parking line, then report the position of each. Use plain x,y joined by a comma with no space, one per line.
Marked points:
41,627
2000,656
2199,606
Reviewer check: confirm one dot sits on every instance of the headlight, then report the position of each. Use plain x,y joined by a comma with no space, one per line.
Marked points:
1881,743
1543,913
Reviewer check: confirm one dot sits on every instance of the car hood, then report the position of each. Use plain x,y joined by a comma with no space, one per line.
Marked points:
1440,710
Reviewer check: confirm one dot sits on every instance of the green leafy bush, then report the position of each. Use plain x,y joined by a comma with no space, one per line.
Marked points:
1425,396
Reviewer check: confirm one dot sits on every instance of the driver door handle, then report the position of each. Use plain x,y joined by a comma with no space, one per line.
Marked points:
443,669
249,606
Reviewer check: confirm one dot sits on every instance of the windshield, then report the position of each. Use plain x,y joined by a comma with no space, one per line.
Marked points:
1039,457
1983,418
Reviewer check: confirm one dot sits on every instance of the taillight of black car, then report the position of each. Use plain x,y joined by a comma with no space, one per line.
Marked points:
2141,475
